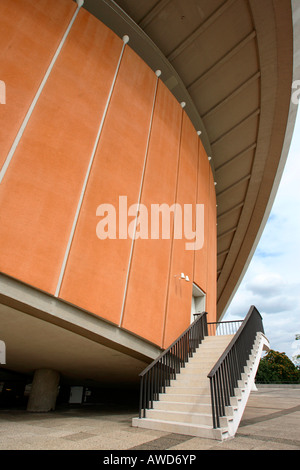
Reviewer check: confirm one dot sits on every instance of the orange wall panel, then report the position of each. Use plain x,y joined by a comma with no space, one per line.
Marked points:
96,271
40,191
148,281
180,291
30,33
203,194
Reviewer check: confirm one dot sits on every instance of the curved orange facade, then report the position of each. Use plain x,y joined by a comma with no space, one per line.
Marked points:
104,126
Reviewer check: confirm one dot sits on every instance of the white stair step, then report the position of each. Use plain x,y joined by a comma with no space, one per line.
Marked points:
211,346
181,428
204,356
182,406
185,398
215,341
191,375
234,401
181,398
180,417
194,366
199,419
185,407
178,389
197,368
218,337
191,382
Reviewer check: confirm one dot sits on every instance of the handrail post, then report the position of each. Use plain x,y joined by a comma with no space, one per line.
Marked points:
212,402
141,397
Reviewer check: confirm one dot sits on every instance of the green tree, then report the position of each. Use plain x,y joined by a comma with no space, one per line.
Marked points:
276,367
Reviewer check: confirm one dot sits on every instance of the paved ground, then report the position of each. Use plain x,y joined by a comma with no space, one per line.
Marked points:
271,422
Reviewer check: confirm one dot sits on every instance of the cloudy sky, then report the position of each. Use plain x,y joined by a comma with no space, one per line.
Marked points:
272,281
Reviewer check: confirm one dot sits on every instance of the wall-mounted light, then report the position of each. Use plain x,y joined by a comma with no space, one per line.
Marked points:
183,277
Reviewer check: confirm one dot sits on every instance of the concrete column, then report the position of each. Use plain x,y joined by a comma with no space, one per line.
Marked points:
44,390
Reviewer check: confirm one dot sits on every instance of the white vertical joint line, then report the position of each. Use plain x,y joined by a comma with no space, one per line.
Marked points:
37,95
173,229
197,187
63,267
157,73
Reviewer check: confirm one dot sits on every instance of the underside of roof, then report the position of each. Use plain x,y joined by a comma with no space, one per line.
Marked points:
233,63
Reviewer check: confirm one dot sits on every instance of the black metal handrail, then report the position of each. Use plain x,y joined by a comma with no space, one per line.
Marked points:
223,327
157,376
227,371
220,328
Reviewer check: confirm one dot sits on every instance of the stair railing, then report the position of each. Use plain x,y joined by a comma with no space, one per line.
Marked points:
157,376
227,371
224,327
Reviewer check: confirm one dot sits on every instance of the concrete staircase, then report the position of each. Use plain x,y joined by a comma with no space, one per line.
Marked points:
185,408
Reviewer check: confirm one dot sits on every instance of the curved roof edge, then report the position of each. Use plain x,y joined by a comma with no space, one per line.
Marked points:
284,154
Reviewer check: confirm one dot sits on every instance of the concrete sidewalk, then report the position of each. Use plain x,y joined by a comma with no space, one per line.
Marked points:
271,422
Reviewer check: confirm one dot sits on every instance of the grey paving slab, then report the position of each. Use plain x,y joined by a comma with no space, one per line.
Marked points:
271,422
